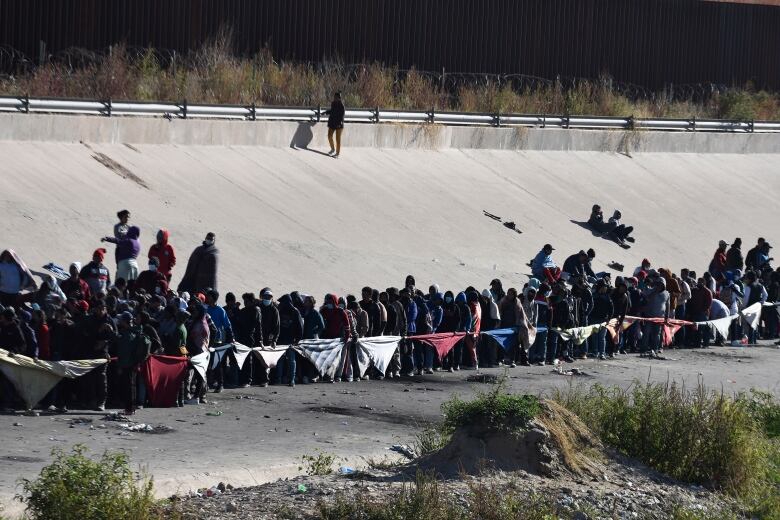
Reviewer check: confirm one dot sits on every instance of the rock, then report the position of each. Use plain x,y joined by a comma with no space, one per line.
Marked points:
579,515
231,507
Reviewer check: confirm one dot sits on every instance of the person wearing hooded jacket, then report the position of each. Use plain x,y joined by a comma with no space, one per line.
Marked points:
126,253
201,272
270,327
96,274
423,353
471,341
164,253
513,315
290,333
152,280
399,328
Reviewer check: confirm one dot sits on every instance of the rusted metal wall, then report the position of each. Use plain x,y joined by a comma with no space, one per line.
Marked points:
645,42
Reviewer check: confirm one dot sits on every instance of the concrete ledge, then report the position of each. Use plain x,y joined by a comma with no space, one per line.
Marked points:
275,134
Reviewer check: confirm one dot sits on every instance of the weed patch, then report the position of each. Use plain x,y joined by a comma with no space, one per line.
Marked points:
698,436
495,409
79,488
320,463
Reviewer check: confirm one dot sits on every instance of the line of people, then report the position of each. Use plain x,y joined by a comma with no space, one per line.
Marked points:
85,316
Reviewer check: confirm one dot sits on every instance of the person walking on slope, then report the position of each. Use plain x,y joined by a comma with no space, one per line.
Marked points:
201,272
335,124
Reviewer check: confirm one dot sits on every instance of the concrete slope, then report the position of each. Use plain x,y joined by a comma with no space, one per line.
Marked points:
297,219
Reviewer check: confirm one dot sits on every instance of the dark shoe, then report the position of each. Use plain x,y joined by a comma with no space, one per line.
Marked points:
218,390
568,359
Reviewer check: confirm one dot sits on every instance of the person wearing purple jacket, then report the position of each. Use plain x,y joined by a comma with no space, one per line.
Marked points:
127,250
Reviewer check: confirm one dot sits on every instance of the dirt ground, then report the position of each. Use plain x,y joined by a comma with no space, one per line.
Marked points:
261,433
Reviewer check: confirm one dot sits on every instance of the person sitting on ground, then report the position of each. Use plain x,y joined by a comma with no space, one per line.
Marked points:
543,267
618,231
596,220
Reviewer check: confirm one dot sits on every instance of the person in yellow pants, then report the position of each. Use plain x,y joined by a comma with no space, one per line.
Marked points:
335,124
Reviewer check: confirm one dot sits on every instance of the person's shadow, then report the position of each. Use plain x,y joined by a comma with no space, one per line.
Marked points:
303,137
587,226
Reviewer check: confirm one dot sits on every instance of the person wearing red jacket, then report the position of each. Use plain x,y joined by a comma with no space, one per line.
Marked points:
164,252
718,263
336,320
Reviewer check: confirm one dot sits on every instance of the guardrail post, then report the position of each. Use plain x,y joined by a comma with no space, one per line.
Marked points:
751,125
692,124
107,105
431,116
253,112
318,111
26,103
184,109
565,121
376,114
544,121
496,119
630,123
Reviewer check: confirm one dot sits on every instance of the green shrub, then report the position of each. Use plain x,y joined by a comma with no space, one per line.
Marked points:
696,436
494,409
320,463
430,439
79,488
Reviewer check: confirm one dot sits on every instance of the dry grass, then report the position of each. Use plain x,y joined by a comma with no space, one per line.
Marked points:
577,445
214,74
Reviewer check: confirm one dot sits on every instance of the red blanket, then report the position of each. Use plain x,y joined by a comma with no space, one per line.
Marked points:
442,342
164,375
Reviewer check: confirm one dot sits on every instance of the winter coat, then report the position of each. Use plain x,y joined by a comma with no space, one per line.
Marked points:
336,115
313,324
336,321
153,282
290,322
248,326
164,253
270,323
734,259
201,272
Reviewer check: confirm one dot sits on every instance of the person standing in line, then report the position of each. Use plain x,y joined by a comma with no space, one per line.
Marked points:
335,124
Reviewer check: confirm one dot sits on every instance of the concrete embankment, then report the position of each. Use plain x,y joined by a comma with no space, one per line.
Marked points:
401,199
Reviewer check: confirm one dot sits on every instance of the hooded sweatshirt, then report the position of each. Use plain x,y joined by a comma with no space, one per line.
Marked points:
336,320
290,322
164,253
128,247
465,313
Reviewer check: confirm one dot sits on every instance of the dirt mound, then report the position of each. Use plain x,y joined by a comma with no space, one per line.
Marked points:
554,442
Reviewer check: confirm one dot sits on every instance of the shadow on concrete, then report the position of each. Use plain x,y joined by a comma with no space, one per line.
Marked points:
303,137
587,226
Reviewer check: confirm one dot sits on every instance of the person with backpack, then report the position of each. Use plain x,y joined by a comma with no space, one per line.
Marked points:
132,349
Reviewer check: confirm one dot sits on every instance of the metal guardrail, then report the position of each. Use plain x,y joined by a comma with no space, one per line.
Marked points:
185,110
